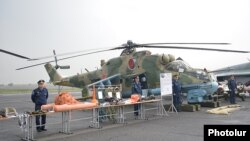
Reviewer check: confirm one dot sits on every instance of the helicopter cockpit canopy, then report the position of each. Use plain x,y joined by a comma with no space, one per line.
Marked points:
178,64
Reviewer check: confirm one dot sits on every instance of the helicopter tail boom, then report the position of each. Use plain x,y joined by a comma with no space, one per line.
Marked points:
53,73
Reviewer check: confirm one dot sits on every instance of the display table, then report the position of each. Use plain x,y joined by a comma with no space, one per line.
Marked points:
121,112
120,115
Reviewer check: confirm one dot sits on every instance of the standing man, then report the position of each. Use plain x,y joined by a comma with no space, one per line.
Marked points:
232,89
39,96
176,92
136,89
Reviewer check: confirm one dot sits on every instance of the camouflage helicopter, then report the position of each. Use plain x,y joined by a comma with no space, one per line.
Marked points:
130,63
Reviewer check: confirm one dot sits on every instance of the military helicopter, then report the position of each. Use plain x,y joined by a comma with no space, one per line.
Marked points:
130,63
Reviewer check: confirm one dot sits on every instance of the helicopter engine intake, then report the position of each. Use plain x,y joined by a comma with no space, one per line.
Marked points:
167,58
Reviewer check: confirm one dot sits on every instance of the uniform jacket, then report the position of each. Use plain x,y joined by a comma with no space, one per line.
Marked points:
232,85
39,96
136,88
176,87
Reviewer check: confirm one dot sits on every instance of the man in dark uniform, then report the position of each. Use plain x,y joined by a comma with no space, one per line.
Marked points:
39,96
232,89
176,92
136,89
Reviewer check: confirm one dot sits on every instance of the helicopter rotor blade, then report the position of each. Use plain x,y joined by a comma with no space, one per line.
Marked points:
196,48
63,54
66,58
140,46
14,54
35,65
184,43
83,54
130,45
54,52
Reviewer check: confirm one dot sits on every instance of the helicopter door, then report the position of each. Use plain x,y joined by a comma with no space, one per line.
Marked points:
144,84
143,81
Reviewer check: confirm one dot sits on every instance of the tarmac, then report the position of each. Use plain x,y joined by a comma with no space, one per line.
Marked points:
180,126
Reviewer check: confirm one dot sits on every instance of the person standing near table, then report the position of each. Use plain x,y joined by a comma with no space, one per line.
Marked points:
176,92
39,96
136,89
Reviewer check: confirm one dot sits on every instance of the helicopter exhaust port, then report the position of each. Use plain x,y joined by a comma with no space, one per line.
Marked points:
167,58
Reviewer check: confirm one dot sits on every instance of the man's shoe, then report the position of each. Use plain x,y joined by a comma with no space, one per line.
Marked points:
43,129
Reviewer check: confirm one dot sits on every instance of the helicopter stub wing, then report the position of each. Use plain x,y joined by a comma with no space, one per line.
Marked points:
135,74
109,81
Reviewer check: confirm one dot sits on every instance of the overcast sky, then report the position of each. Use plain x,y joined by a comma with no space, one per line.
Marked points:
34,28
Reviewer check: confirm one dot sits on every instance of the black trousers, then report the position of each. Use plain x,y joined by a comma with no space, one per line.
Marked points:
136,109
40,125
232,97
177,102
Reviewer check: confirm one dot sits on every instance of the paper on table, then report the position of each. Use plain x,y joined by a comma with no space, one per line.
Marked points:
100,96
118,95
110,94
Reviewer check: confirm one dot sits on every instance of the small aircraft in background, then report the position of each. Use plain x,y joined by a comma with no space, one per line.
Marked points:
241,72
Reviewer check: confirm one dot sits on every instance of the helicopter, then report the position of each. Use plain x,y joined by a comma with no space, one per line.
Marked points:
122,69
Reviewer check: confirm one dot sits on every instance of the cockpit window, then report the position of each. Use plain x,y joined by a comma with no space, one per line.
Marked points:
178,64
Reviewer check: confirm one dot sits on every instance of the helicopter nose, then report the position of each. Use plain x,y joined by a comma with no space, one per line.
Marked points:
214,87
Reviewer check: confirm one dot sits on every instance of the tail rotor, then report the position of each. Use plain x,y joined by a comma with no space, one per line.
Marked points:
58,66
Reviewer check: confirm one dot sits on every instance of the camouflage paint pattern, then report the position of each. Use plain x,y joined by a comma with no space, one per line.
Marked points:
129,65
